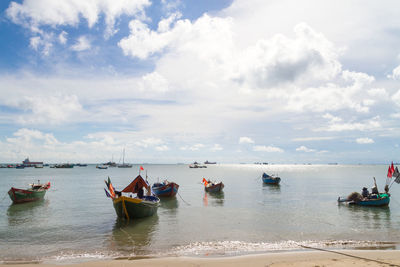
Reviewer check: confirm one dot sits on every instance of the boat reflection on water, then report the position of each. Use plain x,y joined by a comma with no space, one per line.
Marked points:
214,199
30,212
134,238
169,203
272,188
367,217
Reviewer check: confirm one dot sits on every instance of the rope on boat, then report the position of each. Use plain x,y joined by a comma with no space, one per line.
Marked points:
183,199
349,255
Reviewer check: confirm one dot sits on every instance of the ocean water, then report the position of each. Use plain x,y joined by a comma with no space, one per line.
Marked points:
77,222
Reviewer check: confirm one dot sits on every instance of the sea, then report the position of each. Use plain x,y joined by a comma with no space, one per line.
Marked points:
76,222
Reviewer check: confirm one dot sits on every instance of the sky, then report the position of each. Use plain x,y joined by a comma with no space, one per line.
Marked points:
232,81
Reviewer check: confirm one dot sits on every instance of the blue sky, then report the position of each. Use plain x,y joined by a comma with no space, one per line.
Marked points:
182,81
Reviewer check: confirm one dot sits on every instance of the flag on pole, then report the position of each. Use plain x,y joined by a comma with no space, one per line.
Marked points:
107,194
389,174
205,182
141,168
396,172
392,168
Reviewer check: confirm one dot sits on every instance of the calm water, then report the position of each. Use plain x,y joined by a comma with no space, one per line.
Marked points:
76,221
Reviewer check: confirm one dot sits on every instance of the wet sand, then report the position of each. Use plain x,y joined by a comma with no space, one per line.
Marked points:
310,258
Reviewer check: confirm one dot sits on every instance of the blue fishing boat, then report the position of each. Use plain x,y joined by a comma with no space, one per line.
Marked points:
373,199
165,189
267,179
380,200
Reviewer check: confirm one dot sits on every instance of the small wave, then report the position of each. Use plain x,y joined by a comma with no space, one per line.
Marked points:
231,248
73,257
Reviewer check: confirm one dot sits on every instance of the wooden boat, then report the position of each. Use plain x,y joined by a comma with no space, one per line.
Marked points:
102,167
165,189
212,187
267,179
126,206
35,192
382,199
375,199
64,166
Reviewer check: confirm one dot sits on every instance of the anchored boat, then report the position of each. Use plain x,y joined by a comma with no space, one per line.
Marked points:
267,179
212,187
127,205
165,189
375,198
34,193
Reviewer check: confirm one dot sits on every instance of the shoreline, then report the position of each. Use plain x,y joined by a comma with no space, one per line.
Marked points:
304,258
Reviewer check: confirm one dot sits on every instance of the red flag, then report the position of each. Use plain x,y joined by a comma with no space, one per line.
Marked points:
389,175
392,168
141,168
205,181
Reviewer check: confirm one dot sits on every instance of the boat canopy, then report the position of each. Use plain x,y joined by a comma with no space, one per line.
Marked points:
134,186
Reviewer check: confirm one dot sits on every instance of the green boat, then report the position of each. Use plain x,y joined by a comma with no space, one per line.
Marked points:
133,206
34,193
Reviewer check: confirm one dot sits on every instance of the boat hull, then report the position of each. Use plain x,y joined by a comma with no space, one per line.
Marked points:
214,188
378,202
168,190
371,202
22,196
270,180
127,207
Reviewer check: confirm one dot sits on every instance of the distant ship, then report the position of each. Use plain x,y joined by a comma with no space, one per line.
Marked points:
28,163
209,162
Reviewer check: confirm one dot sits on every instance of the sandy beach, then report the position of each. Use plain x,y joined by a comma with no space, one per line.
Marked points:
311,258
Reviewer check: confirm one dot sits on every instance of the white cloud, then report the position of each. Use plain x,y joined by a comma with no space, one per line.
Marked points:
395,73
162,148
193,147
331,118
396,98
81,44
51,110
305,149
364,140
42,43
369,125
267,149
154,82
316,138
62,37
149,142
216,147
245,140
34,14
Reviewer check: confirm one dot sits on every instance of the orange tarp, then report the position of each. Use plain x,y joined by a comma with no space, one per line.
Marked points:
134,186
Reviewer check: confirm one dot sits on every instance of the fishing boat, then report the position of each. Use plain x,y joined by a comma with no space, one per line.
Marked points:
268,179
165,189
64,166
212,187
373,199
381,199
127,205
101,167
35,192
